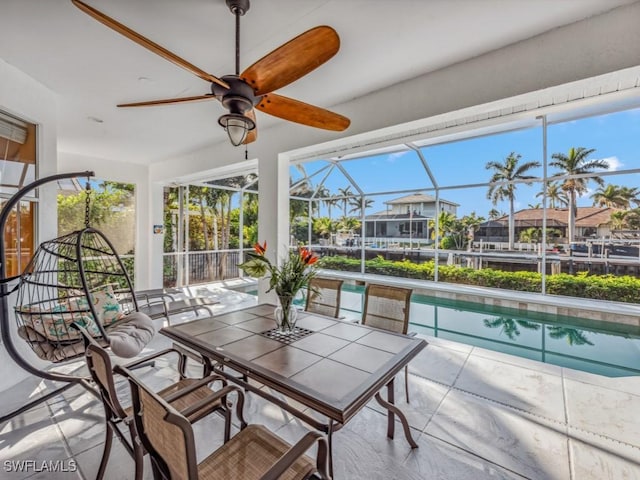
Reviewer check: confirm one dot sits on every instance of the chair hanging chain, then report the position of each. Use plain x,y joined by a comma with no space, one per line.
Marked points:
87,204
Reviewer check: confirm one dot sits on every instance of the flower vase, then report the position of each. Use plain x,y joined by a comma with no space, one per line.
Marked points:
285,314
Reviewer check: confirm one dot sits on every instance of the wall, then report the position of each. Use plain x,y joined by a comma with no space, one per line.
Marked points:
25,98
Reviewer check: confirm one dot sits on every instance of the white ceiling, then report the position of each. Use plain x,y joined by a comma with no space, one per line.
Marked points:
92,68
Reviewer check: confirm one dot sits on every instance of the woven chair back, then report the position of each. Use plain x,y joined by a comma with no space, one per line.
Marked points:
100,368
387,307
164,432
323,296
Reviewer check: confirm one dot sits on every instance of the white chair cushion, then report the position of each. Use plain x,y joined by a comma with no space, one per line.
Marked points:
129,335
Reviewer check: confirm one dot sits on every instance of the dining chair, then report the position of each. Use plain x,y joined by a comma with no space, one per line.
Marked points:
387,308
323,296
251,454
190,395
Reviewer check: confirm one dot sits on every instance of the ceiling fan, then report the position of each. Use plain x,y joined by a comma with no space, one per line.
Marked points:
240,93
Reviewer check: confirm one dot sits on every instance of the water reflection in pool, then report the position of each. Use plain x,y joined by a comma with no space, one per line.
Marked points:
595,347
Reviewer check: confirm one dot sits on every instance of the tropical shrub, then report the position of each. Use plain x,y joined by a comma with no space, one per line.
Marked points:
598,287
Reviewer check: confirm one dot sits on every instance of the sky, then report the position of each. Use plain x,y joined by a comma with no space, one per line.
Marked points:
615,138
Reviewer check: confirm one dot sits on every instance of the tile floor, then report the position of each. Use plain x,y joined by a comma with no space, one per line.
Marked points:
476,414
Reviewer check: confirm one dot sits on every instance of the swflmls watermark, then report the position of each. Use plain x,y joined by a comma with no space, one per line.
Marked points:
38,466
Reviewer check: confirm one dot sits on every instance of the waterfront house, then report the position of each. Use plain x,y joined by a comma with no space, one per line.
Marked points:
407,216
591,222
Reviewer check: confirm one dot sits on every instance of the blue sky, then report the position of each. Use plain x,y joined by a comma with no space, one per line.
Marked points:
615,137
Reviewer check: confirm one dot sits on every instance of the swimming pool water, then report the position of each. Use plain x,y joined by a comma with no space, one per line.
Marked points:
596,347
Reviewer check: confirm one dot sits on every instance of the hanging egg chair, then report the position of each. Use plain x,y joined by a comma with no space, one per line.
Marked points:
78,279
75,279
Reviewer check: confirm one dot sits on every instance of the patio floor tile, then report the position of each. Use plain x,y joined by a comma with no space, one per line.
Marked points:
530,447
530,390
615,418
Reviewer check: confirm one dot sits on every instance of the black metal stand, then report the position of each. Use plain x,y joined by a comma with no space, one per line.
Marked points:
5,324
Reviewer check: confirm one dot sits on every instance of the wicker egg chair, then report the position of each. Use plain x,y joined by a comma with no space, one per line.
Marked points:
77,278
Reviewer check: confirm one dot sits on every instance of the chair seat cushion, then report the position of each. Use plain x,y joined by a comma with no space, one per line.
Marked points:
129,335
249,454
49,350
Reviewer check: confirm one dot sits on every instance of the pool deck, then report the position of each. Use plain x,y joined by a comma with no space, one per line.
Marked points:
476,414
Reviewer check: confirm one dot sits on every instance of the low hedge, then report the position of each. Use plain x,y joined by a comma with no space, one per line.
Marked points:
600,287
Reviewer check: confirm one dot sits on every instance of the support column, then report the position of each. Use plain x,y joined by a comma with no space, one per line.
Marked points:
273,214
154,256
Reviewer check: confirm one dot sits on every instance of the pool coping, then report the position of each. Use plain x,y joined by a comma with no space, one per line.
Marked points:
599,310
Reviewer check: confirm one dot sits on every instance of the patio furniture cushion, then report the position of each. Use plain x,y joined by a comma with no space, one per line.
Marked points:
52,320
108,308
130,334
48,350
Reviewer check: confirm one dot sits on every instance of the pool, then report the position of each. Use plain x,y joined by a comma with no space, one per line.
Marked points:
596,347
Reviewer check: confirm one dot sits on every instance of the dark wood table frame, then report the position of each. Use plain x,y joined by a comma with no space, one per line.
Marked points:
335,370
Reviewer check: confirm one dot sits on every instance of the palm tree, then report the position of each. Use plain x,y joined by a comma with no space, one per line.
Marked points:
530,235
555,195
618,220
508,172
612,196
495,213
631,194
345,193
198,196
323,227
349,223
355,203
575,162
446,221
331,201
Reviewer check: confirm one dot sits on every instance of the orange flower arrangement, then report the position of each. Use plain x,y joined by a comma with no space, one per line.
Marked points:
289,278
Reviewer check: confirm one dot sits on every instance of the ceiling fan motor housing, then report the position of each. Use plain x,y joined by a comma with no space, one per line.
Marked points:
238,98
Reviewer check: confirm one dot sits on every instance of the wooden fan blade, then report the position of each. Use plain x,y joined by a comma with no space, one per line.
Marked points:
168,101
252,135
146,43
300,112
292,60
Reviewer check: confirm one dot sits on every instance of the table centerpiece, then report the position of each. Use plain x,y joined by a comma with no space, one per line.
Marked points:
287,279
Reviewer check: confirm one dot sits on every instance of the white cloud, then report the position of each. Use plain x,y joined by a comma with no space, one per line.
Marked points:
614,163
392,157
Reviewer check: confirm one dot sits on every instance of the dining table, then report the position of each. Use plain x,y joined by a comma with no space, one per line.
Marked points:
331,366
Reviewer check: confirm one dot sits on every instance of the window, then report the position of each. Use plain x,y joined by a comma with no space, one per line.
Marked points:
17,169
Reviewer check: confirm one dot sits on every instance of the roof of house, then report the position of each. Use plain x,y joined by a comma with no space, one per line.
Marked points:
395,216
585,217
418,198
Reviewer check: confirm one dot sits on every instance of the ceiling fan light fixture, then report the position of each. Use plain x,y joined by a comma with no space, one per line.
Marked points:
237,126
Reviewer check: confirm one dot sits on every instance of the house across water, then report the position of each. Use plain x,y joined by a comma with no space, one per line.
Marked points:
407,217
591,222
